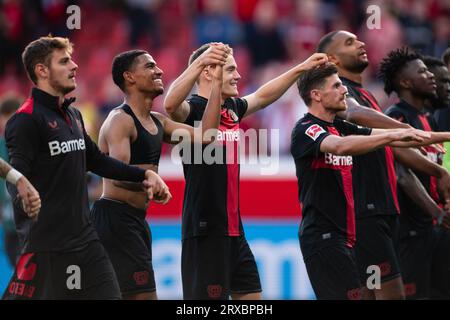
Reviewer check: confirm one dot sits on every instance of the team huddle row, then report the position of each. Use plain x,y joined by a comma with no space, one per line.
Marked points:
344,151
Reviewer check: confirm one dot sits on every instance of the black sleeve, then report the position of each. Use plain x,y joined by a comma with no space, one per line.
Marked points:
107,167
14,194
241,107
22,139
195,114
348,128
306,140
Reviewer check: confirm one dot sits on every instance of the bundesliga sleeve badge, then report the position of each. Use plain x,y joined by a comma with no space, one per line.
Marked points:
314,131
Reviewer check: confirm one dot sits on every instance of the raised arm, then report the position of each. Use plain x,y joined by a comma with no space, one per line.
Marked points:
274,89
356,144
175,131
429,137
368,117
425,137
174,103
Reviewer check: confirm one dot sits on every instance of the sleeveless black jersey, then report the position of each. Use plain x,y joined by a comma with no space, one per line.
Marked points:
146,149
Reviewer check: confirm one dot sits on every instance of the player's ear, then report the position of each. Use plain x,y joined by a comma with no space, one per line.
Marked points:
41,71
315,95
128,76
208,73
332,58
405,83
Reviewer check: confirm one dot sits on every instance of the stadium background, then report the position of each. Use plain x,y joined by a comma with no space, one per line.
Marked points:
268,37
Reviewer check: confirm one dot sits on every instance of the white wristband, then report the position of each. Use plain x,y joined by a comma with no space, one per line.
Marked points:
13,175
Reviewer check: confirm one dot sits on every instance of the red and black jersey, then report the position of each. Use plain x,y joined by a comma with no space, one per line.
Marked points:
420,119
48,143
325,183
211,196
374,178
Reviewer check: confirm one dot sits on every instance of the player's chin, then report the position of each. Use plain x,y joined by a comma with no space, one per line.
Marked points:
69,88
232,92
429,94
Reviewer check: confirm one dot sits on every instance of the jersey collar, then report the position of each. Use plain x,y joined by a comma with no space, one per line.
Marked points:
406,106
347,82
204,101
50,101
323,122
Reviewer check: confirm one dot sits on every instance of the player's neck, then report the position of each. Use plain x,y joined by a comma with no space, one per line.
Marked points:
320,112
140,105
414,101
429,105
355,77
205,91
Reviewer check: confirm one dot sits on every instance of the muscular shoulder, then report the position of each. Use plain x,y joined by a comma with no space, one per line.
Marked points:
118,121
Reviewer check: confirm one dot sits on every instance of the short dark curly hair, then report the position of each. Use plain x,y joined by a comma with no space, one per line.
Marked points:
446,56
393,64
432,62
